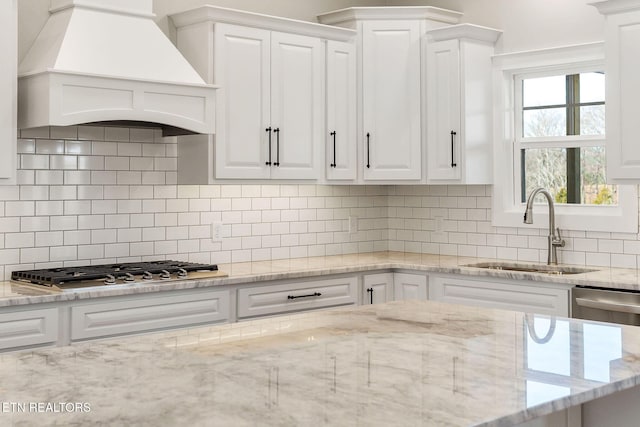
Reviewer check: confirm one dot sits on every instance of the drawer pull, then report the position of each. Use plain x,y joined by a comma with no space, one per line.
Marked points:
315,294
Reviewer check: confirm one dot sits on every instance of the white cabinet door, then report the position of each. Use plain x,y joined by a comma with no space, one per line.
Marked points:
409,286
391,100
498,294
296,106
460,104
622,62
8,84
378,288
242,69
443,106
28,328
341,111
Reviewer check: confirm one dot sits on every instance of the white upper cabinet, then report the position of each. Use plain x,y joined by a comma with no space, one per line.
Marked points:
622,62
391,82
341,111
8,84
243,111
391,100
296,106
270,115
459,104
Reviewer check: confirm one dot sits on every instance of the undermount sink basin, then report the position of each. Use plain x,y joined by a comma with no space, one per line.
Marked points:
531,268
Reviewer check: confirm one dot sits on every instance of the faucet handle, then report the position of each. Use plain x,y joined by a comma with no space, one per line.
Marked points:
558,240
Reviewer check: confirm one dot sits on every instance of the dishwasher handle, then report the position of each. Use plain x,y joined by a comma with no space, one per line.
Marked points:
609,306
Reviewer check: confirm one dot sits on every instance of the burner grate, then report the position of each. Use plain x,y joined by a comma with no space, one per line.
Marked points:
58,276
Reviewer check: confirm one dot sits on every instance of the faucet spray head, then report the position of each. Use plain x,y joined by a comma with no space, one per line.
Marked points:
528,216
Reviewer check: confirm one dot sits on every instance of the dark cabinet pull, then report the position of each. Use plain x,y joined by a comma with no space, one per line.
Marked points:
269,131
333,165
453,163
277,132
315,294
370,291
368,149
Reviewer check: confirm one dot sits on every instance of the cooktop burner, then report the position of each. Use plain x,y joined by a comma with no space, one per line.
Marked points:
110,273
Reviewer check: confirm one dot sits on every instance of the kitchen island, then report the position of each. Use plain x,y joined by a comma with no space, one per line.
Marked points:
401,363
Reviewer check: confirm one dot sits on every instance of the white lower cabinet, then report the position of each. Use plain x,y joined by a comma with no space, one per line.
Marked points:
140,315
271,299
539,297
409,286
28,328
377,288
384,287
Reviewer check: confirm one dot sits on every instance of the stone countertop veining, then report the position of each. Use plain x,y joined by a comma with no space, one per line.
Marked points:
401,363
250,272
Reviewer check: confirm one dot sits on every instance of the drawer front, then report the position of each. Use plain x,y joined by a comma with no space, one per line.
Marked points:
25,328
532,299
266,300
123,317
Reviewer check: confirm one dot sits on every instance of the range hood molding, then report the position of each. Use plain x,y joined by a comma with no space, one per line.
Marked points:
96,63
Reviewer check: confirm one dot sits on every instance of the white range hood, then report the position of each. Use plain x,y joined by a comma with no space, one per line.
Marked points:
107,61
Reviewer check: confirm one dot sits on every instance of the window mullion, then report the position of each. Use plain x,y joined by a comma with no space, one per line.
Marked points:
573,128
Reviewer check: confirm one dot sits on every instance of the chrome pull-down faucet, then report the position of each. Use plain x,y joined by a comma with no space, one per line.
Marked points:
554,240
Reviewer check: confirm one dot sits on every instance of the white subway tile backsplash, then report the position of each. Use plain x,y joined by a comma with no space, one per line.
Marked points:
104,236
62,161
90,222
34,223
47,177
91,162
19,240
48,146
91,133
77,237
34,161
153,178
34,192
63,253
103,177
30,255
64,223
124,191
26,208
63,132
116,134
77,147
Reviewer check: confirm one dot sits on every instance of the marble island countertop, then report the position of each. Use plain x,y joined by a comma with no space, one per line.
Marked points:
250,272
401,363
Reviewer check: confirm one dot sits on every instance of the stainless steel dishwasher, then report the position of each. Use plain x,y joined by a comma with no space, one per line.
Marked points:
606,305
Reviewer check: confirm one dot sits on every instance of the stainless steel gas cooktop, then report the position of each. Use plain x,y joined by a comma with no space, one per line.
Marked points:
65,278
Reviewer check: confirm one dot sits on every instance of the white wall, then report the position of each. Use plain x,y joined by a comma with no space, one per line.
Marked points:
528,24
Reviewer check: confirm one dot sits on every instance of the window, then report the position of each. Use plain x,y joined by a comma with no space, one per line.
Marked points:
549,120
560,137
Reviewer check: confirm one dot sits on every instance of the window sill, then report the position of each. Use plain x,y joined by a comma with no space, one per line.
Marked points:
616,219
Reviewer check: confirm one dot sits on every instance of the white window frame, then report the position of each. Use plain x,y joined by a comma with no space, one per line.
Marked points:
507,209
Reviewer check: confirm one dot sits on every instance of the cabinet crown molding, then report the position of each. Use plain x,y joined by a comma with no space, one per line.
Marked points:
216,14
609,7
339,17
466,31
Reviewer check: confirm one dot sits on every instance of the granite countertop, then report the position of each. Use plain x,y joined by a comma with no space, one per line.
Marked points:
250,272
401,363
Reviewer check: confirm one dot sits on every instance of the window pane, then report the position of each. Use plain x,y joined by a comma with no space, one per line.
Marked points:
592,120
592,87
546,167
595,191
544,122
544,91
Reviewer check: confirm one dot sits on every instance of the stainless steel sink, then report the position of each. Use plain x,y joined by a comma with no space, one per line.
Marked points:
531,268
